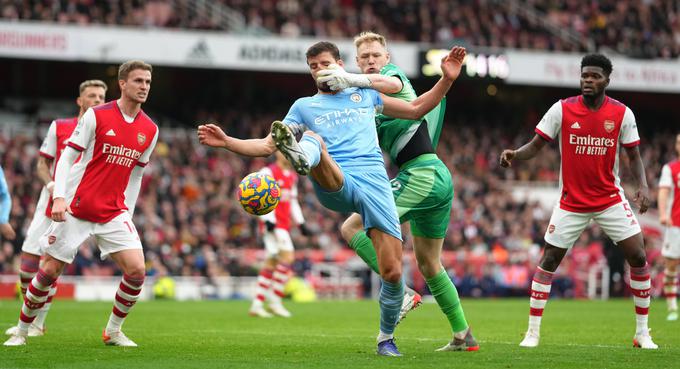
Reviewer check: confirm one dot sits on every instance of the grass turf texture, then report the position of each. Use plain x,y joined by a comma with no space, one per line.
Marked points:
210,334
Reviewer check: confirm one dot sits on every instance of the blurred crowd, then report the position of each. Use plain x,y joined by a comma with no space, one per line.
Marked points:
638,28
191,225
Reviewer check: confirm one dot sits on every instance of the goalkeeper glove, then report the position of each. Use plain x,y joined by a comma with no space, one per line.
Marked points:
338,79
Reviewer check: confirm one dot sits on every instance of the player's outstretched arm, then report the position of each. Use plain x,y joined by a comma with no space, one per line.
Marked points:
642,194
525,152
416,109
214,136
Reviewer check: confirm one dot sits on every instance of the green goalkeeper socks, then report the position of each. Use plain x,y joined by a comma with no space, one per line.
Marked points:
363,246
446,295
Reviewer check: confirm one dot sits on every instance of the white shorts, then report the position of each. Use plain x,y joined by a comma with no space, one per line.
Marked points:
38,226
617,221
277,241
63,239
671,243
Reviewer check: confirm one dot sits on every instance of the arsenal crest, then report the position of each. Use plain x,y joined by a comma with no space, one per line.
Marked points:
609,125
141,138
551,228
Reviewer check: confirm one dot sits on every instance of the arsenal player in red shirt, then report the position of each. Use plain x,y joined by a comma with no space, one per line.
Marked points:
277,241
91,93
669,216
590,129
96,197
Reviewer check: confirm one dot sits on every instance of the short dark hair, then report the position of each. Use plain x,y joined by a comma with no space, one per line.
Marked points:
597,60
323,46
131,65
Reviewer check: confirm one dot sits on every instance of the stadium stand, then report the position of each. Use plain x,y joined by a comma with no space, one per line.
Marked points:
640,29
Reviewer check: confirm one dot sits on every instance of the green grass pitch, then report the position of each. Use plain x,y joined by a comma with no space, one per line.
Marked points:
341,334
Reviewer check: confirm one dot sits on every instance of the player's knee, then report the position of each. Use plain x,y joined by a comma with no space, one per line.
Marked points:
429,269
348,229
318,138
637,258
136,271
391,273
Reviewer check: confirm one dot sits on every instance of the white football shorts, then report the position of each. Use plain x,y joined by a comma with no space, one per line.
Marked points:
63,239
617,221
277,241
671,243
39,225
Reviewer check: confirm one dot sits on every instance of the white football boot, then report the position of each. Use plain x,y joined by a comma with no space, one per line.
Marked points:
117,339
644,340
531,339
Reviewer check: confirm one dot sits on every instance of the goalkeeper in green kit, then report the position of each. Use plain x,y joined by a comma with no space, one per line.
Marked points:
423,189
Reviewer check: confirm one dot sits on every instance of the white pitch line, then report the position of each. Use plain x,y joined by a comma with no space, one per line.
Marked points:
402,338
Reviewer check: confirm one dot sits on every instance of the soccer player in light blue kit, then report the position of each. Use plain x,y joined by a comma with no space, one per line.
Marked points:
6,229
339,150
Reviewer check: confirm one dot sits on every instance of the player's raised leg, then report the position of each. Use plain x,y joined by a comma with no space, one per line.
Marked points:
131,262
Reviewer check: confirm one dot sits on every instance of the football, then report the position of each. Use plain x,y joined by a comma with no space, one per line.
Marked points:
258,193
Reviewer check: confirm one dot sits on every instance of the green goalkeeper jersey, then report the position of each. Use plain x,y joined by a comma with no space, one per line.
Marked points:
395,134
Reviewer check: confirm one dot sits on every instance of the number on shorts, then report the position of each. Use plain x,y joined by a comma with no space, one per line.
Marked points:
128,225
629,212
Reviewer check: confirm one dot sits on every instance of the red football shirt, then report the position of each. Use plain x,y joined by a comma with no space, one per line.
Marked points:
288,210
670,178
54,144
111,147
589,144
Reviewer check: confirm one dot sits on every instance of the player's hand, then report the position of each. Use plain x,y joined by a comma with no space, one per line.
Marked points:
641,199
59,209
338,79
270,226
7,231
664,220
453,62
211,135
506,158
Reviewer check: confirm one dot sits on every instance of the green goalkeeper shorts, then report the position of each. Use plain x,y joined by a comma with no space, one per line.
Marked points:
423,192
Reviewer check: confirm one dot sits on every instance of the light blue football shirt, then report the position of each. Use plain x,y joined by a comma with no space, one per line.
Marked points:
345,121
5,199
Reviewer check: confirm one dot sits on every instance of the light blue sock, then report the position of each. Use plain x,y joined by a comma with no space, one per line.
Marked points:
311,148
391,298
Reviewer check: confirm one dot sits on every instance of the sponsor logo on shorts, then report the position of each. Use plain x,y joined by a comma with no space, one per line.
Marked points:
633,222
551,228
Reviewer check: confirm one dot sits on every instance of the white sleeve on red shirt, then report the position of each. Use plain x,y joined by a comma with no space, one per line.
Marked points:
83,134
132,189
666,179
295,209
49,145
62,170
144,159
551,123
269,217
629,134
